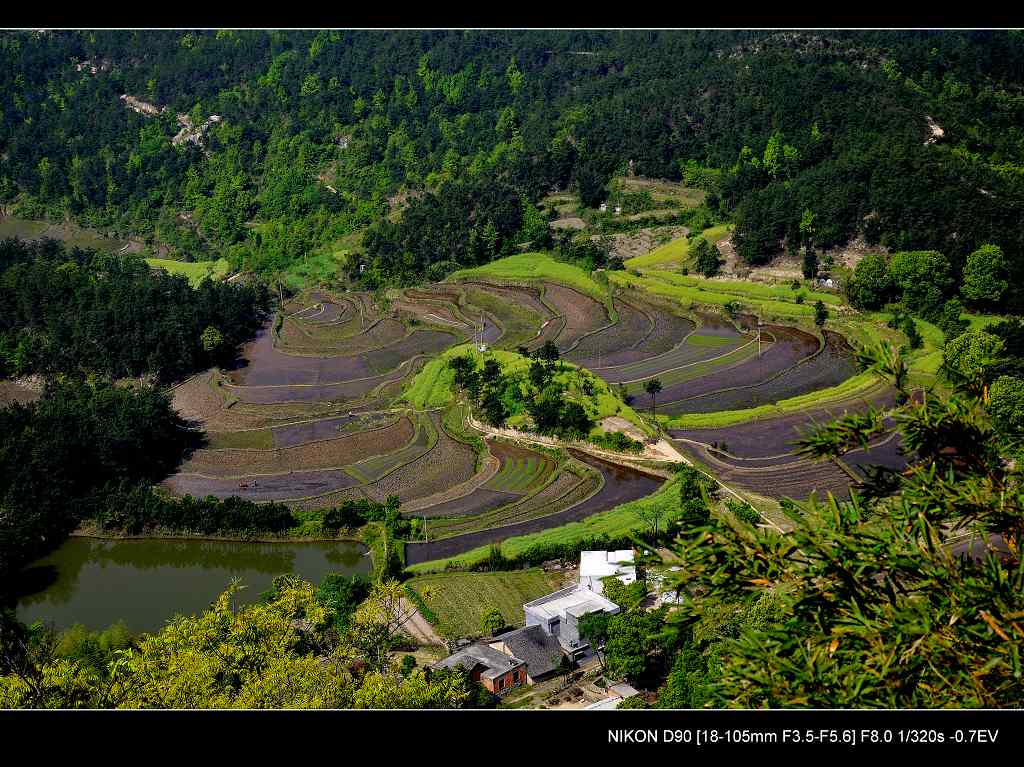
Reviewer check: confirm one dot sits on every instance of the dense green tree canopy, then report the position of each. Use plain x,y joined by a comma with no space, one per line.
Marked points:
321,134
985,273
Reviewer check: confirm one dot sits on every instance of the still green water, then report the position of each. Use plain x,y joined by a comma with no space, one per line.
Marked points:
146,582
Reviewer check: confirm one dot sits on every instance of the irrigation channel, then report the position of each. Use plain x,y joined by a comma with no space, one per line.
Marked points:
145,582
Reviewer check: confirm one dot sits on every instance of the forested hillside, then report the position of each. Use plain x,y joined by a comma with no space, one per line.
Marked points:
263,147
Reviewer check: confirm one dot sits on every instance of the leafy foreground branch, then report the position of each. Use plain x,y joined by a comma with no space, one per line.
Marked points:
878,602
296,648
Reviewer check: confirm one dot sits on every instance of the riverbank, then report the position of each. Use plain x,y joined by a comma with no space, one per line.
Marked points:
86,531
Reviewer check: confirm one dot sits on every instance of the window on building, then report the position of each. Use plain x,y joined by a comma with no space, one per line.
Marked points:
554,626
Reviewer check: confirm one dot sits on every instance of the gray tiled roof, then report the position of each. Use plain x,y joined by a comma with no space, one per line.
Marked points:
496,663
540,650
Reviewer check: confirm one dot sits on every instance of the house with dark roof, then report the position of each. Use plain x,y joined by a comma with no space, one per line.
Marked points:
541,652
498,672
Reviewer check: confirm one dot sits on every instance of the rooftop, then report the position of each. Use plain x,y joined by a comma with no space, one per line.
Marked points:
596,565
572,601
604,562
496,663
540,650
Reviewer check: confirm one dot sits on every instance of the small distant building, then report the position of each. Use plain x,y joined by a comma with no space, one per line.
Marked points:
616,694
595,566
558,615
495,670
604,207
618,210
541,652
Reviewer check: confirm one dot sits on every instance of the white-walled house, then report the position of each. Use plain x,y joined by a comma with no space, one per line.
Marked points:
597,565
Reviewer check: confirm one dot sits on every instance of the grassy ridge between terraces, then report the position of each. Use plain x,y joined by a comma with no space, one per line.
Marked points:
620,521
536,266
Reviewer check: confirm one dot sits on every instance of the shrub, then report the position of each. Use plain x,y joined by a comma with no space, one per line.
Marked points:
743,512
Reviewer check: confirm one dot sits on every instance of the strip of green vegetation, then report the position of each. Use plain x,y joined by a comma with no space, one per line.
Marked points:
620,521
751,291
256,439
196,271
676,251
536,266
705,292
856,386
708,341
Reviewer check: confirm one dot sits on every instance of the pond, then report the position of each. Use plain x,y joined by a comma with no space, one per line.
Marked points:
97,582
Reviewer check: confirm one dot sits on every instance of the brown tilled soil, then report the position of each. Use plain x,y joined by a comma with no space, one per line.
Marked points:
277,487
572,222
582,313
620,486
527,297
631,244
329,453
197,400
11,392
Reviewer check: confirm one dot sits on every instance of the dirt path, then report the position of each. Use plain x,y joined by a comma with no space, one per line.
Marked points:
418,627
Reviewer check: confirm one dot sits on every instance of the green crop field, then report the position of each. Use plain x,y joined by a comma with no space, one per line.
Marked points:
706,292
196,271
675,252
521,475
536,266
459,600
700,341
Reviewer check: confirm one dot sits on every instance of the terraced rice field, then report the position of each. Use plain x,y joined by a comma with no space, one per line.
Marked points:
273,487
582,314
356,389
759,456
520,325
578,500
713,338
832,365
789,346
774,436
282,426
328,428
323,454
373,468
522,470
631,331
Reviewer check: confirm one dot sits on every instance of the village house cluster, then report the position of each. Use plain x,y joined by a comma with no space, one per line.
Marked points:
536,651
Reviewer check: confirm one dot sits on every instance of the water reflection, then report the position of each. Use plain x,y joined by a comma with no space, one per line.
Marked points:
146,582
